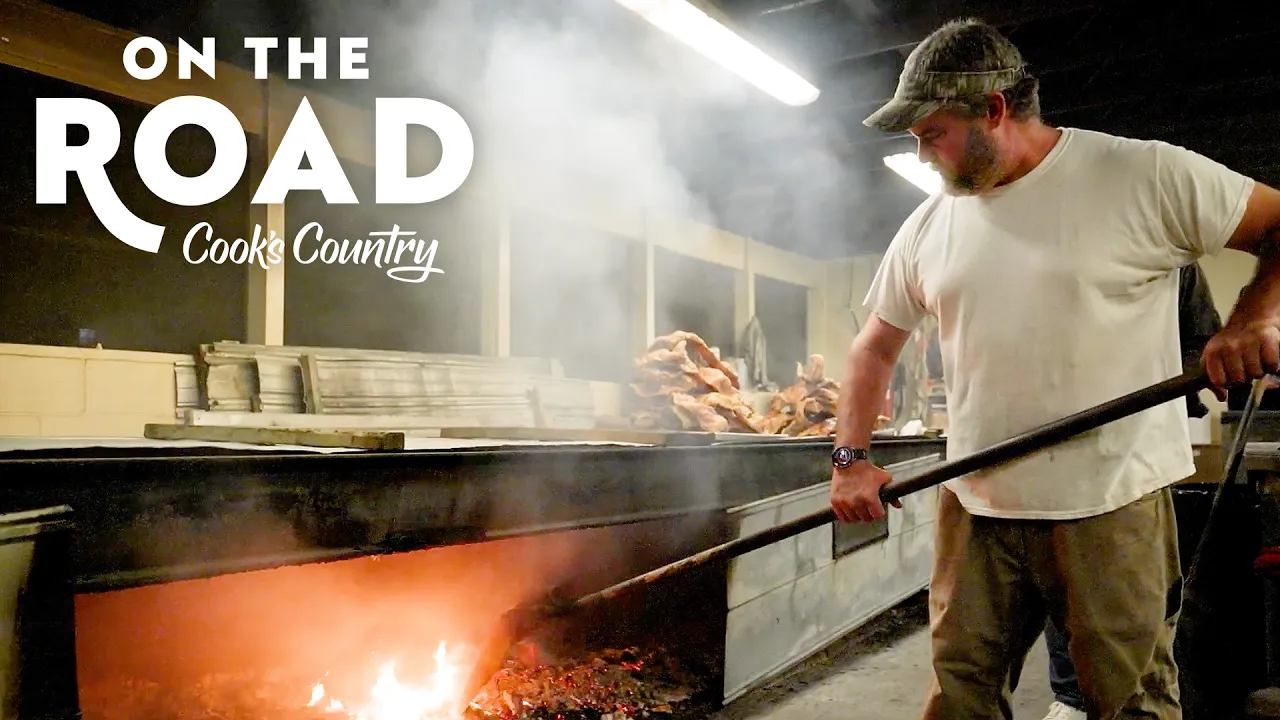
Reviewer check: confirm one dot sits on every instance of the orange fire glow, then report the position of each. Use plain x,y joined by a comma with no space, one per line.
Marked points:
436,698
327,632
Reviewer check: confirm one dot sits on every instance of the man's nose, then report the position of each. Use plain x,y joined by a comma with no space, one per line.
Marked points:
922,152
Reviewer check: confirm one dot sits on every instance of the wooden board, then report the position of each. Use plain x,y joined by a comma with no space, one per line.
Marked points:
419,424
312,401
359,439
641,437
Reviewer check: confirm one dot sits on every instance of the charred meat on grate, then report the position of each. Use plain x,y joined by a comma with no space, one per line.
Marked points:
680,384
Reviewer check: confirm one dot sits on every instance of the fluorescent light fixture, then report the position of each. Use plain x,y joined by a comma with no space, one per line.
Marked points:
917,173
701,32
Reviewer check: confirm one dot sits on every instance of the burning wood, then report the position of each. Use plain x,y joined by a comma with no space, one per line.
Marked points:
247,696
610,685
279,696
682,385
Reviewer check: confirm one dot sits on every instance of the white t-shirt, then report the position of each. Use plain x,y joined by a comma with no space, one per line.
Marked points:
1056,293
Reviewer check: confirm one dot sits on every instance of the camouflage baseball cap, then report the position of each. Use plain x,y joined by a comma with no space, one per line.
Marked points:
962,59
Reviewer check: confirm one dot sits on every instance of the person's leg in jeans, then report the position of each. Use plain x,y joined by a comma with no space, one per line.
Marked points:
1062,674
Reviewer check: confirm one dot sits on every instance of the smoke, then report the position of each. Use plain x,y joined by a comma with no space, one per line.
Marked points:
568,98
575,104
582,103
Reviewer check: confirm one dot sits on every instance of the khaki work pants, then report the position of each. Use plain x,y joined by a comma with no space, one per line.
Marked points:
1111,582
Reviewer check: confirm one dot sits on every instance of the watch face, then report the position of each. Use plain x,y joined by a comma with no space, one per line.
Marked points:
842,457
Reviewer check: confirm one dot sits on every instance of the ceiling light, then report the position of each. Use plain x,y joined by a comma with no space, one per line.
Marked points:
917,173
701,32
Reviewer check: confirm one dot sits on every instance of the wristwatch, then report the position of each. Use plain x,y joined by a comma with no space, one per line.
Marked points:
844,456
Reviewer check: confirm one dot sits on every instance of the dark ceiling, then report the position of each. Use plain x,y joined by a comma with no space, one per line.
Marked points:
812,179
1203,76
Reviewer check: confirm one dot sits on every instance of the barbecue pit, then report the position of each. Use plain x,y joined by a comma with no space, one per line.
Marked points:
383,570
387,637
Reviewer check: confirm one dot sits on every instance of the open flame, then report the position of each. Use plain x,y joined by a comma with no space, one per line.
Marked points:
391,699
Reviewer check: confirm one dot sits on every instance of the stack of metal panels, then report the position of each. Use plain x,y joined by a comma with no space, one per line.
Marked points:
236,377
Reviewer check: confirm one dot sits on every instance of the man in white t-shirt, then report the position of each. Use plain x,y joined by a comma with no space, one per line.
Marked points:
1051,263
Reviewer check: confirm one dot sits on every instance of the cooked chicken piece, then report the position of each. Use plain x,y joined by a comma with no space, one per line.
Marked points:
826,427
698,350
681,384
773,424
795,394
807,407
715,379
811,406
652,383
814,373
675,358
741,416
697,415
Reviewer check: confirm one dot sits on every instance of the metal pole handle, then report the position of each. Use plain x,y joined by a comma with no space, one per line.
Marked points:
1191,380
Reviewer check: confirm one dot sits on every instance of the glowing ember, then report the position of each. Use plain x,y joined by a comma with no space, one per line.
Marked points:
390,699
610,685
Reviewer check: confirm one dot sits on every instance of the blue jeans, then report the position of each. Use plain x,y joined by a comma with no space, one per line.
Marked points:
1062,674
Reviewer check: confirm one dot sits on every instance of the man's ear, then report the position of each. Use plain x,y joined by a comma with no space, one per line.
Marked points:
997,109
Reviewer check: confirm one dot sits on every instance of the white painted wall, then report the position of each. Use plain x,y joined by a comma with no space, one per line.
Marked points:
83,392
845,283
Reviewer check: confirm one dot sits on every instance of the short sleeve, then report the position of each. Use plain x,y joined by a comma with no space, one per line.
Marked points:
895,294
1201,200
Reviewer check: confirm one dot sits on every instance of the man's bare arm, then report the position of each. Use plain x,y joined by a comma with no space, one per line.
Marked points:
1259,235
855,490
867,371
1249,344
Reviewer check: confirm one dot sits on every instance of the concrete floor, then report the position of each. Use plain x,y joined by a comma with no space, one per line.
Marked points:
880,672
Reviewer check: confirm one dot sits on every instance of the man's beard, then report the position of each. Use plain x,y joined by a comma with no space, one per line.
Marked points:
979,169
